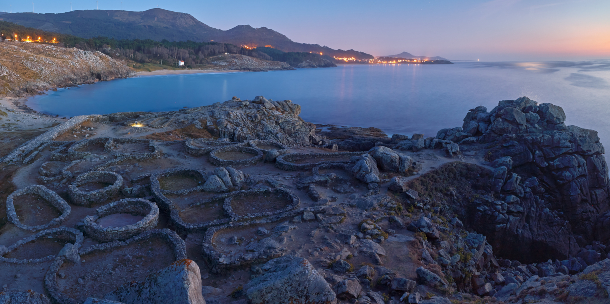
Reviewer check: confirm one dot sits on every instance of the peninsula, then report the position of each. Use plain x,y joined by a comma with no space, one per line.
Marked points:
245,201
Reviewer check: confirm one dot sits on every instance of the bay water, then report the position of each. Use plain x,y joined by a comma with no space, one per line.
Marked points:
404,99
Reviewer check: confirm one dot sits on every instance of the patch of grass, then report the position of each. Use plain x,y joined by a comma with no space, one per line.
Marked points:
594,277
421,235
465,256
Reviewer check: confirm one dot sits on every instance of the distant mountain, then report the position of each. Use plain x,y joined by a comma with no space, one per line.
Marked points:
158,24
408,55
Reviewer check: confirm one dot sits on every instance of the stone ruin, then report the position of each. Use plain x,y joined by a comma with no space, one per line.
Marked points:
512,206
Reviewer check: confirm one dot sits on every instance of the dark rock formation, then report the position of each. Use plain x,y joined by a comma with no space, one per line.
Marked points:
551,180
289,280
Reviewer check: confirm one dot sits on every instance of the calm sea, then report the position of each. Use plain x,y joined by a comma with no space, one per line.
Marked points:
403,99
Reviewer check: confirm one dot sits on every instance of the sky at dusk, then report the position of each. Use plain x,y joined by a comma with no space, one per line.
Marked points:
465,29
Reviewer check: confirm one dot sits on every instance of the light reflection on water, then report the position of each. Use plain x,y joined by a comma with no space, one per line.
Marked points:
402,99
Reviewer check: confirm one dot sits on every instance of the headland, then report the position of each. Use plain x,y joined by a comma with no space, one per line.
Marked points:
243,200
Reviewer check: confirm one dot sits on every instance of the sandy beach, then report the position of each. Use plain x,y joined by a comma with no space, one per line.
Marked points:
181,72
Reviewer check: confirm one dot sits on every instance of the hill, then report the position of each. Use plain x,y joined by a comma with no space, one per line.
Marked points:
408,55
29,68
158,24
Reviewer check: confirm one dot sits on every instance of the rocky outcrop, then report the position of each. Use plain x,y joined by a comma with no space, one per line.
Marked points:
178,283
236,120
289,280
551,180
29,68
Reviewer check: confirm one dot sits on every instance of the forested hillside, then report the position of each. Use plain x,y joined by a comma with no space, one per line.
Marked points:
158,25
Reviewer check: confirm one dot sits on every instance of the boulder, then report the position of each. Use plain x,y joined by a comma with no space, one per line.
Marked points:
426,226
370,247
237,177
507,290
414,298
366,169
289,279
452,148
402,285
452,134
342,266
177,283
365,272
551,113
589,256
429,278
387,159
214,184
484,290
224,175
398,184
347,289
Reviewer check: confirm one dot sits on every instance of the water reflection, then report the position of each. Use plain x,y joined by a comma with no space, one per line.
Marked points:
587,81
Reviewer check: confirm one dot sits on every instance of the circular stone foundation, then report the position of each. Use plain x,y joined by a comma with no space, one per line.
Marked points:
235,156
94,228
64,234
94,187
175,247
307,161
179,181
134,148
88,147
43,192
52,168
267,145
249,204
199,146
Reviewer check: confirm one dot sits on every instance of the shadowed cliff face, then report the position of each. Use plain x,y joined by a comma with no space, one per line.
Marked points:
552,180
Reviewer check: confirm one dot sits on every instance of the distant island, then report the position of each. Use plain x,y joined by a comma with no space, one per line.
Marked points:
408,55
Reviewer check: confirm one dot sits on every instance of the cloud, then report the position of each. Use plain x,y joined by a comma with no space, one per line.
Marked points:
587,81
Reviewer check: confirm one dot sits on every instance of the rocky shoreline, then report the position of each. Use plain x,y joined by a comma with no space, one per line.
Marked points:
29,68
244,202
